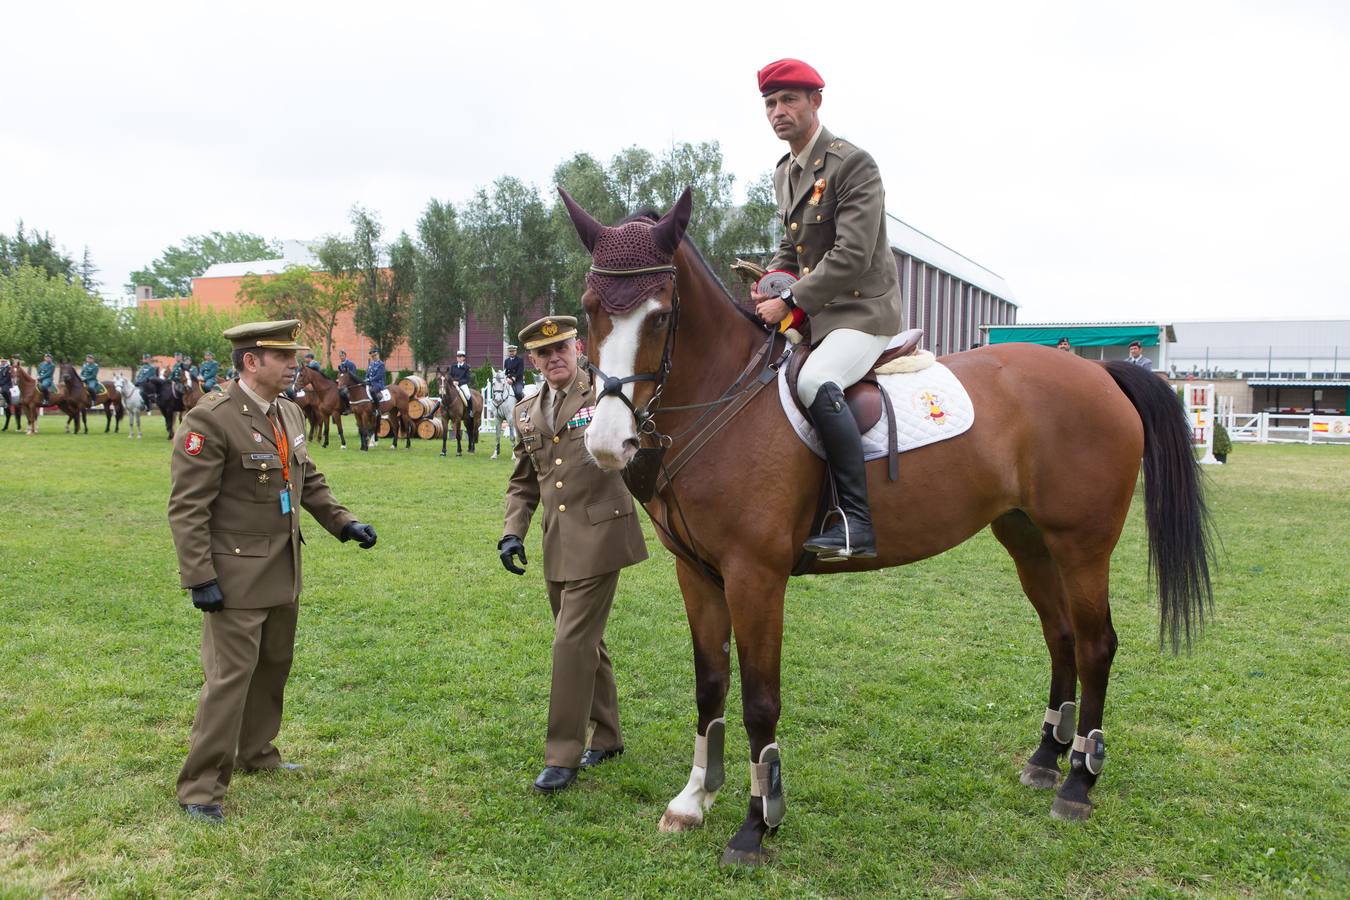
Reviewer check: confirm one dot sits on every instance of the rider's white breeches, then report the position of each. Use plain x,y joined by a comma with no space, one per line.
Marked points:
844,357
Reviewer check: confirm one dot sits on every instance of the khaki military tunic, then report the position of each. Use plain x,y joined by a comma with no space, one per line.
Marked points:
228,525
591,531
834,220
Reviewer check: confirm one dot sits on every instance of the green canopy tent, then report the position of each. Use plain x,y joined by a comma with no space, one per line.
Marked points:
1086,334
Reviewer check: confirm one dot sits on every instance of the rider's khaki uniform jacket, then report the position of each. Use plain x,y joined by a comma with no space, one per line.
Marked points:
834,216
590,526
225,499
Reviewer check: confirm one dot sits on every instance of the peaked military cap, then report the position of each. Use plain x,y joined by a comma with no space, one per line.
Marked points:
281,335
548,330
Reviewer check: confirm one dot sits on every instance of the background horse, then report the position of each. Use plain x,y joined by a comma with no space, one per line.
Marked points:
325,404
1053,477
368,413
133,403
111,401
30,399
72,398
169,403
454,413
503,408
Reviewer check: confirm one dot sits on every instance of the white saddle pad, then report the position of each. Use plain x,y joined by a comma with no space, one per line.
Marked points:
385,396
464,392
299,394
930,405
14,393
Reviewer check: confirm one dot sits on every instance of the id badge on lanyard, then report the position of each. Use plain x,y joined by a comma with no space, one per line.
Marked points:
284,450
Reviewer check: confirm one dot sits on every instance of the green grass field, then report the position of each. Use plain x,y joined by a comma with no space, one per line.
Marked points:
418,698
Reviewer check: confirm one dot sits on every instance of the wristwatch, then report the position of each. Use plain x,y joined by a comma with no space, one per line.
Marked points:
786,297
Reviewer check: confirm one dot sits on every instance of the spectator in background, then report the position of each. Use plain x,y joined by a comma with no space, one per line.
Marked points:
1137,357
1064,345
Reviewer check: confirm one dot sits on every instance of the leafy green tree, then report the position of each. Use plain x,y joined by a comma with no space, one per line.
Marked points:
87,273
34,249
513,249
383,292
169,327
439,300
338,287
41,312
171,275
292,294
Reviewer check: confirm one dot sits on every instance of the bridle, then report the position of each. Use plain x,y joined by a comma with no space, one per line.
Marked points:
610,386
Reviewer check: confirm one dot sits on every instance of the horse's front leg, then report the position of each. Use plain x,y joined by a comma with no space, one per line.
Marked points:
755,598
710,627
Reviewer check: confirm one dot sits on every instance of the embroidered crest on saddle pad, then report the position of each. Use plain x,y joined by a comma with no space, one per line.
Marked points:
930,405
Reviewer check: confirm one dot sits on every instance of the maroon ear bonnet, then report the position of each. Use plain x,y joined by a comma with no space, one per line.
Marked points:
630,263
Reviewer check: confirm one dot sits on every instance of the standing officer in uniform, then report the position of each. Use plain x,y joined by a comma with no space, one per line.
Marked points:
1137,357
240,474
515,372
46,370
834,216
145,379
590,533
210,371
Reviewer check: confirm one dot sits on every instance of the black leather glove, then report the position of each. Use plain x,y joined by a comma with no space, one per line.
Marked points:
355,531
511,546
207,597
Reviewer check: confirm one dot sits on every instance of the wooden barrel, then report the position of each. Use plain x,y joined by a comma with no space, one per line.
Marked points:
430,429
385,428
414,386
424,408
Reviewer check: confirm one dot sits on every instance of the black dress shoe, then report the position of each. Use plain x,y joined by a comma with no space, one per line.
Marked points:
210,813
279,767
594,757
554,779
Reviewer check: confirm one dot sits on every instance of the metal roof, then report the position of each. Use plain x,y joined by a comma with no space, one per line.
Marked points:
293,253
908,239
1299,382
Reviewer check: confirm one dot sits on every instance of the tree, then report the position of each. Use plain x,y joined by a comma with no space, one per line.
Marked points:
169,327
513,249
586,180
439,300
41,313
337,289
35,249
383,292
291,294
171,275
86,272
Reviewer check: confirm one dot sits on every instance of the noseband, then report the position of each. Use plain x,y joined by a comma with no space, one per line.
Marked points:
611,386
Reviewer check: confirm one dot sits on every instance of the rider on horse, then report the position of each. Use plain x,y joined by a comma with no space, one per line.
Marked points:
375,376
847,285
145,378
46,371
89,375
462,376
515,372
210,372
349,367
6,381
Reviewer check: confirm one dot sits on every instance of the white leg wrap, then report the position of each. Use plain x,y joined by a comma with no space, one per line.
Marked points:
705,779
1093,748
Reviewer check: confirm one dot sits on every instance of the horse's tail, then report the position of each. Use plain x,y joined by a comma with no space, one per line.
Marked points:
1180,546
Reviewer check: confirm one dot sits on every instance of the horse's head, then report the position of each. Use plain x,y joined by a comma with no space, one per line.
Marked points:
630,302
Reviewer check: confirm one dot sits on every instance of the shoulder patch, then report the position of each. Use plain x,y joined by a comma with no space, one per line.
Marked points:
193,443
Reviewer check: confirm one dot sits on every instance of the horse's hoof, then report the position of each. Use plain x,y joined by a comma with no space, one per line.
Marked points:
672,822
1034,776
749,858
1070,810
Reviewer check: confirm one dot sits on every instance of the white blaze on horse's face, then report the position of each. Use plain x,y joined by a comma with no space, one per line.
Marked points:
612,435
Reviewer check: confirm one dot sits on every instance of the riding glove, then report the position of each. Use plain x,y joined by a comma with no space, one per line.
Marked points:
509,547
365,534
207,597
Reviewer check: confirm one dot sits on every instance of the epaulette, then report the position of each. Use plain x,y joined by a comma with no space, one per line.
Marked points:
840,148
786,157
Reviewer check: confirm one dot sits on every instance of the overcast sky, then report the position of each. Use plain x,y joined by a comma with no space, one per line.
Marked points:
1174,160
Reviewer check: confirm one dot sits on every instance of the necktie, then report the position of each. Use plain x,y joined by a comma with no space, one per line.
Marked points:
794,173
555,410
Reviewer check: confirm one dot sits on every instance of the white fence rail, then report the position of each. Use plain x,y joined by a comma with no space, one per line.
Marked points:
1286,428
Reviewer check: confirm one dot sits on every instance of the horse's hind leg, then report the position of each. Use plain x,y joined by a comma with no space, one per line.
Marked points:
710,625
1086,582
1041,583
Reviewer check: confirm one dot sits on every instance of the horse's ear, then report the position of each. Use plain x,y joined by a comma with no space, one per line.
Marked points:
588,229
670,230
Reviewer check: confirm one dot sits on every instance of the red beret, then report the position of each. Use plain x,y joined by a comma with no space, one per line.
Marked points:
788,73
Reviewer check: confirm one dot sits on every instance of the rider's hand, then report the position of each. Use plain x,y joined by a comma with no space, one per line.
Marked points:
207,597
772,311
508,547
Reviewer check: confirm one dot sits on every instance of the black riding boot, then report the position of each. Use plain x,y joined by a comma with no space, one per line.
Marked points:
850,537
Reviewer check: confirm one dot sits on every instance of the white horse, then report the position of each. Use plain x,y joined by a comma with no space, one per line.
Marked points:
133,403
503,401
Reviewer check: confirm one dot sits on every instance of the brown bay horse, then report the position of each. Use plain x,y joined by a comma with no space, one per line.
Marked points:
368,413
325,405
1054,482
30,397
111,401
72,398
454,414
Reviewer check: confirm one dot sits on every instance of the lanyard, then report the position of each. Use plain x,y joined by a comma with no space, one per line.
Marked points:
282,449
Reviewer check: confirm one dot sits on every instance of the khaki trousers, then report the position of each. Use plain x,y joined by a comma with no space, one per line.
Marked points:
583,678
246,657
